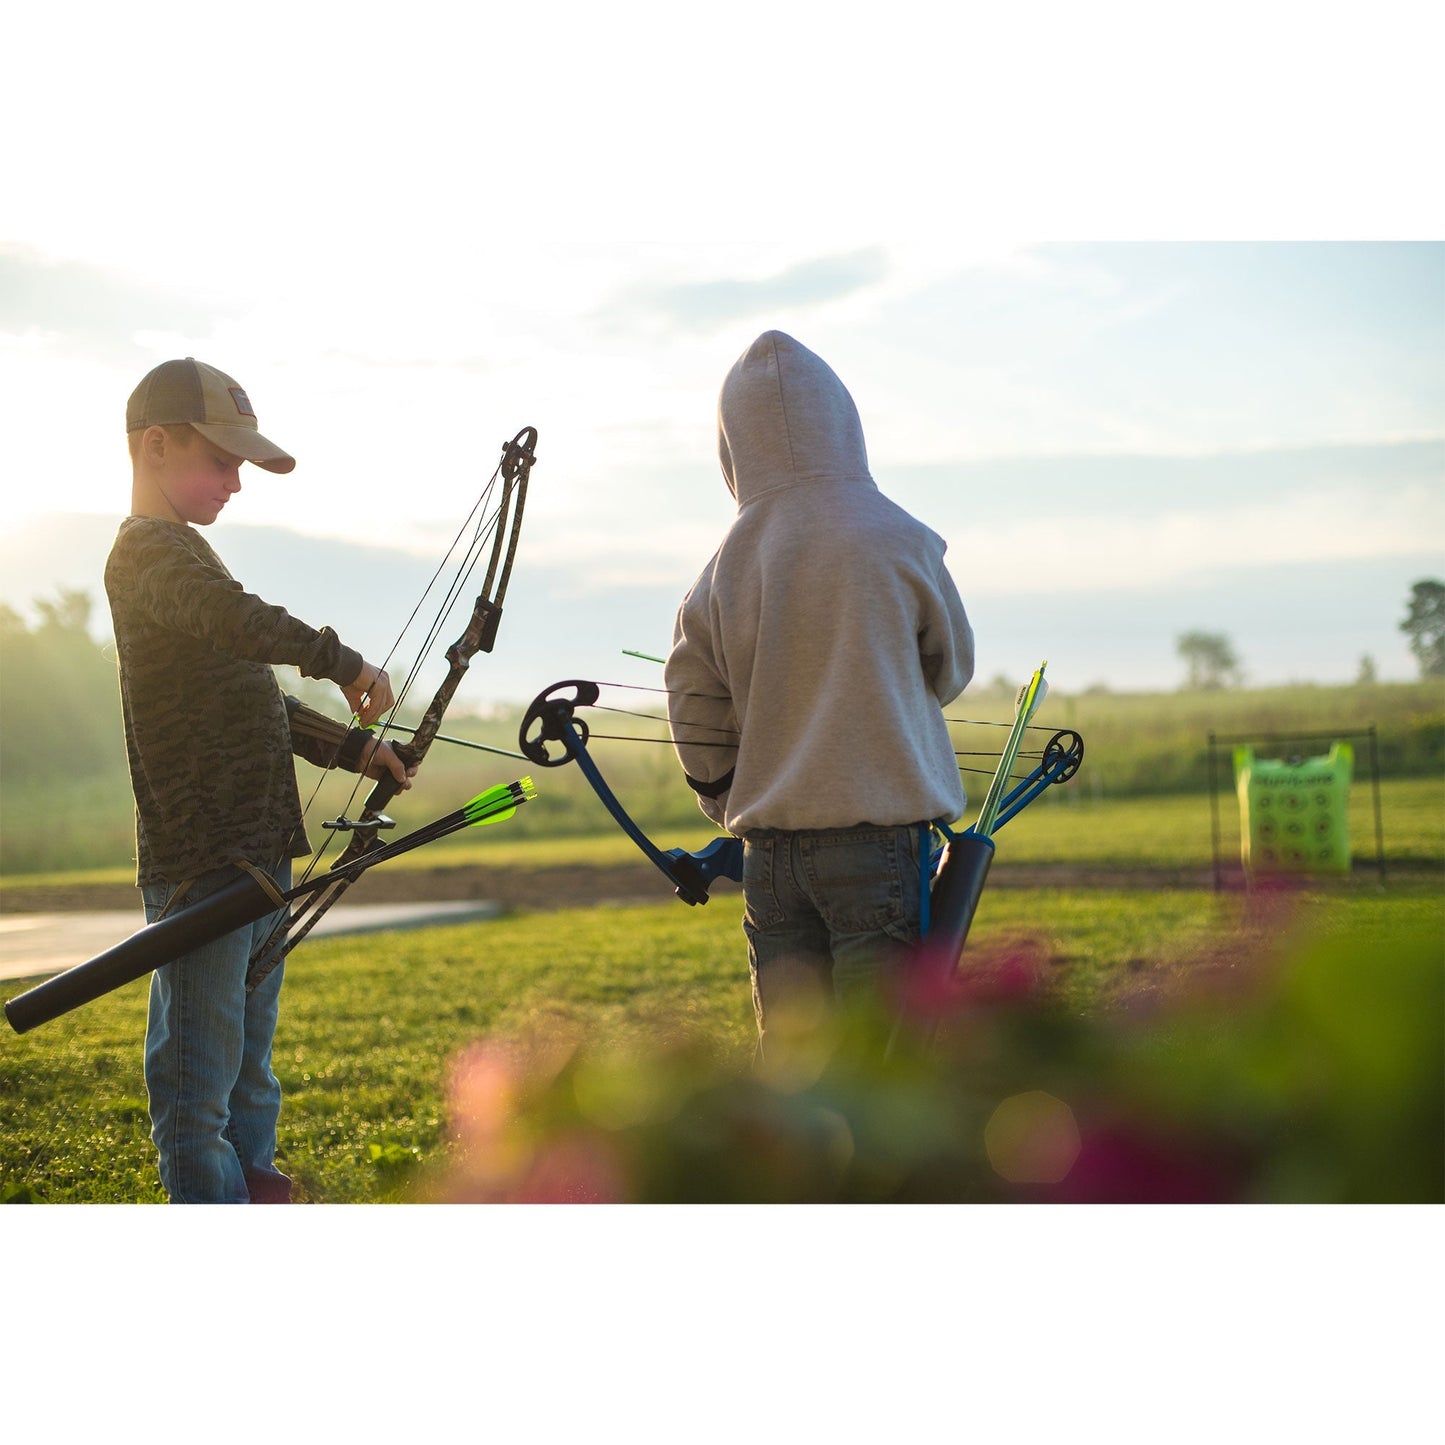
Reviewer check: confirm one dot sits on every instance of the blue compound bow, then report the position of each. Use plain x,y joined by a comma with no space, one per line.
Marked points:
957,872
552,719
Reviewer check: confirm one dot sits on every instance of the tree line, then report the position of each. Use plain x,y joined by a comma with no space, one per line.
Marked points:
59,698
60,703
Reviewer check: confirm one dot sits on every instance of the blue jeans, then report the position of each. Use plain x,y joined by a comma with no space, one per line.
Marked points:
828,912
214,1100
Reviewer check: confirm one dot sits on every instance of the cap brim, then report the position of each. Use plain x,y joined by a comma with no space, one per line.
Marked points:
242,441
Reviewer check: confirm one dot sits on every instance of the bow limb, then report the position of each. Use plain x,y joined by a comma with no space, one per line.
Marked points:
480,635
552,718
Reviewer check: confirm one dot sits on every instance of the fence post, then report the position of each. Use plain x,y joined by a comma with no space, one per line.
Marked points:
1214,816
1379,827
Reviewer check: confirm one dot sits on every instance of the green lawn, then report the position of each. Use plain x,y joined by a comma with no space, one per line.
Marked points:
656,999
371,1030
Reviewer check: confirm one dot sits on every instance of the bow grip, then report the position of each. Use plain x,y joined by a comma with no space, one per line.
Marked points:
386,788
695,873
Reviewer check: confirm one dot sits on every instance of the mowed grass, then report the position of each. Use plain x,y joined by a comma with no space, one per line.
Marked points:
367,1030
371,1029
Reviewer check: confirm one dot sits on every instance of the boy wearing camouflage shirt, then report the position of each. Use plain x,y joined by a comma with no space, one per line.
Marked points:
209,738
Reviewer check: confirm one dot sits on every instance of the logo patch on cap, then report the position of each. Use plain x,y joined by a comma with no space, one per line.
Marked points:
243,402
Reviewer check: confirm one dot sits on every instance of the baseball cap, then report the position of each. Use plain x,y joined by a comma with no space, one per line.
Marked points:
212,402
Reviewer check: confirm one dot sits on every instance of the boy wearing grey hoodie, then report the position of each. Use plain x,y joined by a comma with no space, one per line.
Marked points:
826,635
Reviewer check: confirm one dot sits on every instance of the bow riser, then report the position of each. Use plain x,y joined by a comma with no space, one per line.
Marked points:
485,616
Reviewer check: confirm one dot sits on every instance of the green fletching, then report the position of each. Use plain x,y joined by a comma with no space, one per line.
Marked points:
491,806
499,803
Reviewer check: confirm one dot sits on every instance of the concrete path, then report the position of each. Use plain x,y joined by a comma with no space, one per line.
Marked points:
33,944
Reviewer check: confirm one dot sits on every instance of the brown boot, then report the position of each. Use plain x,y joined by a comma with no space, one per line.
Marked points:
266,1186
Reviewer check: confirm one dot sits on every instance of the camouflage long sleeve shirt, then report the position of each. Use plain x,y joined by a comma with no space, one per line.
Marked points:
209,733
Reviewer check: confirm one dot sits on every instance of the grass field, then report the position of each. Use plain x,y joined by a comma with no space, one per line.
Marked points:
1275,1045
647,1011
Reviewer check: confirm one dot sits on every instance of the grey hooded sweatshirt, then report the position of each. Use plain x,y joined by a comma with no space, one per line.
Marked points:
826,634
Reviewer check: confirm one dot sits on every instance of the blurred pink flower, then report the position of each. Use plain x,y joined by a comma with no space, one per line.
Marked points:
576,1168
1129,1164
930,989
482,1089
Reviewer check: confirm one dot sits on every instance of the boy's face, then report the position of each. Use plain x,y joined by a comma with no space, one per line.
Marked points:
197,478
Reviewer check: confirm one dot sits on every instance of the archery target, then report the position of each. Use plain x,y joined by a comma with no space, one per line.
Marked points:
1294,814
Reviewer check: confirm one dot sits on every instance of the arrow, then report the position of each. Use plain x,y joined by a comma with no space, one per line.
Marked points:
1030,696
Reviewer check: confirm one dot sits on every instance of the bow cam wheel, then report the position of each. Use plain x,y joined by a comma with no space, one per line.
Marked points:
1065,752
552,718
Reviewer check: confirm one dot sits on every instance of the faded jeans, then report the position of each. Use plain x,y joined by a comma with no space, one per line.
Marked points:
828,912
214,1099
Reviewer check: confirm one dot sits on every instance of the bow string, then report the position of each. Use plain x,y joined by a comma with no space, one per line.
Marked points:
723,737
499,523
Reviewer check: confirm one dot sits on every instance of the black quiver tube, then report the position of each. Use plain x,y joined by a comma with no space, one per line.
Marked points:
954,898
250,897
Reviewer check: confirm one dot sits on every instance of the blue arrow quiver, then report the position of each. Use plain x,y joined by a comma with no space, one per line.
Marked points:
957,888
961,871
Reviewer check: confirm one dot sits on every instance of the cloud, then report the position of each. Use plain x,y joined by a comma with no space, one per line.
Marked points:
706,306
79,308
1153,554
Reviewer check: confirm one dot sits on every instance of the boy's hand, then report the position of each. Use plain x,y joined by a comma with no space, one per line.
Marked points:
369,695
379,761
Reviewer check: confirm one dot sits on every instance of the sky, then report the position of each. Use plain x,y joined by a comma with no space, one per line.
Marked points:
1148,323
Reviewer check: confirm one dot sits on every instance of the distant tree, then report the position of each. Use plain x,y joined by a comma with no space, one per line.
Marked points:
12,624
1368,673
1424,624
68,614
1210,658
59,704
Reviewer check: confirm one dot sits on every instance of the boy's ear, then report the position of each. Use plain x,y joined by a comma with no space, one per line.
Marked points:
153,443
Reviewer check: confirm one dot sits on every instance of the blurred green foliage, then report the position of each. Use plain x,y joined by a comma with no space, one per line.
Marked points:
1308,1076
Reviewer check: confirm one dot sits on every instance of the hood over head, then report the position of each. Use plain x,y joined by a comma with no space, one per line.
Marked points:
784,417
